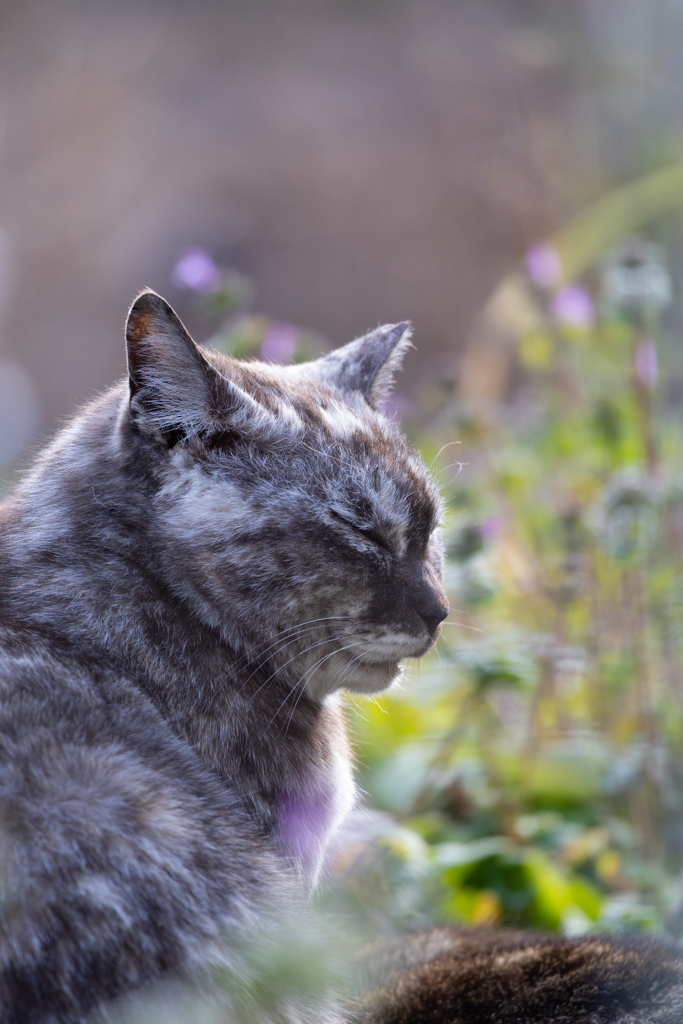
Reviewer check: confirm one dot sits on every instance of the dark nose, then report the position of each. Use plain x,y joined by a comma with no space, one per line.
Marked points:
433,615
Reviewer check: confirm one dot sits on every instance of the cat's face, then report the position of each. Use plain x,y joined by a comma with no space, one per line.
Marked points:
292,515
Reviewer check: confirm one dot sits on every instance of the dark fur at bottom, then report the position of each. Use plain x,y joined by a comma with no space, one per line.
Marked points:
484,976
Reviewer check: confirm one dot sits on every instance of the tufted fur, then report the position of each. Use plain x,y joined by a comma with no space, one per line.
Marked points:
188,575
483,976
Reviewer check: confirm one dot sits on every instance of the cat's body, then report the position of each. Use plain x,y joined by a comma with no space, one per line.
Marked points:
485,976
187,576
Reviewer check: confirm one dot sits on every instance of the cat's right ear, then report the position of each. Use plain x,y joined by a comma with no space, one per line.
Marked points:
174,390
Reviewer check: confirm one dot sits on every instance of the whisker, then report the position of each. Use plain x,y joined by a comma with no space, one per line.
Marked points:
356,705
443,449
375,700
346,669
307,622
309,672
260,651
329,455
464,625
308,675
291,714
460,465
300,654
280,644
303,680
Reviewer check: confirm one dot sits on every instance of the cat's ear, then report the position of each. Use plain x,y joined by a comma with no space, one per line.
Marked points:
367,364
173,389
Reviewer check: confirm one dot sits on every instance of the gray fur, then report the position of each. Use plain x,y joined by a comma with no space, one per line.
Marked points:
369,363
188,575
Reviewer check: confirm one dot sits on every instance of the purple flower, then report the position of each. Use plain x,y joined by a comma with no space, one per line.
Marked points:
279,344
573,306
544,265
491,525
395,406
646,362
196,271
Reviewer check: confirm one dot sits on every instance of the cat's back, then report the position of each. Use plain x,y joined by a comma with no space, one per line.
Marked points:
452,976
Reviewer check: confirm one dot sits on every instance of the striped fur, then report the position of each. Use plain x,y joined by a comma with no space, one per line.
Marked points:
188,575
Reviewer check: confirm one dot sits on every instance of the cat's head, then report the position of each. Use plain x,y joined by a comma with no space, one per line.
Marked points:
288,512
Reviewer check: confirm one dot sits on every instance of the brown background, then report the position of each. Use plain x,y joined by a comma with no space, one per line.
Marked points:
361,161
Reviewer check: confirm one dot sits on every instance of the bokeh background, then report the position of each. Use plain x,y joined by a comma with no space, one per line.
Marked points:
361,162
508,174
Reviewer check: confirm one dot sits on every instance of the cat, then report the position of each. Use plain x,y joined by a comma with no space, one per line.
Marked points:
189,574
487,976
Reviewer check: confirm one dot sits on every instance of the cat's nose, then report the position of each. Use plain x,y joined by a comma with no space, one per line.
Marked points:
431,603
433,615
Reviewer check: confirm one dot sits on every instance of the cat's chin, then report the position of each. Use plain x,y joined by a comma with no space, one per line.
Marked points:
364,678
372,678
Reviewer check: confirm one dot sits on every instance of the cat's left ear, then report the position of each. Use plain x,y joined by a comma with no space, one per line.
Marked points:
174,390
367,364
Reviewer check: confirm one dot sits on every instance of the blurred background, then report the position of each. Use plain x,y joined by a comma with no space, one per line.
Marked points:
360,162
509,175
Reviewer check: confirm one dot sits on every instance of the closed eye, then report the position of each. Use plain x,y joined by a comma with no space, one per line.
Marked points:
365,531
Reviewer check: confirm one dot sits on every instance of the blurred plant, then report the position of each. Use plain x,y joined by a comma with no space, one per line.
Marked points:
226,294
220,291
573,307
540,756
635,280
291,963
544,265
196,271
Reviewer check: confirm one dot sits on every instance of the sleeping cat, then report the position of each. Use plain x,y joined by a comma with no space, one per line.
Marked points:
188,575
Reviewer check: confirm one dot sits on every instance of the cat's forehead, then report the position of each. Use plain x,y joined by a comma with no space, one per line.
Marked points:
294,395
358,444
293,387
304,403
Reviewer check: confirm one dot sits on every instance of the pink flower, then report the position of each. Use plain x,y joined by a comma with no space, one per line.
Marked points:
279,344
573,306
395,406
543,265
196,271
646,362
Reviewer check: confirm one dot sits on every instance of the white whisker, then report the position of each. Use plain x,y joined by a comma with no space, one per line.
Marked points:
464,625
300,654
443,449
